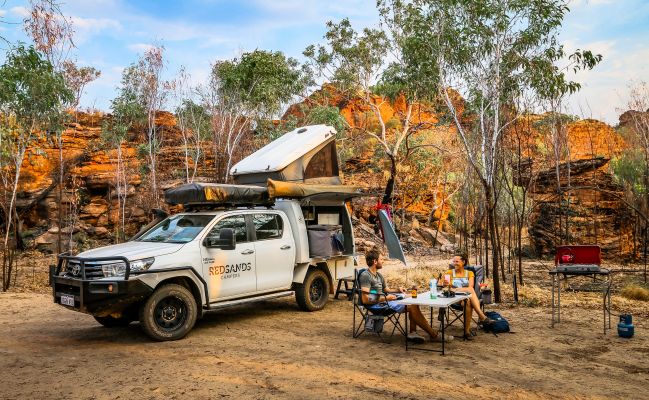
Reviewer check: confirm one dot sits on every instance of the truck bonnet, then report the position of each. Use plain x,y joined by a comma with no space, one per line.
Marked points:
134,250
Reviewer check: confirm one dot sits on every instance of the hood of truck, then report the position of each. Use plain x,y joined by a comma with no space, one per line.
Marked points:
134,250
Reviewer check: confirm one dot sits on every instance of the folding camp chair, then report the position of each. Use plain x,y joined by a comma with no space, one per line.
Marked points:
456,311
367,318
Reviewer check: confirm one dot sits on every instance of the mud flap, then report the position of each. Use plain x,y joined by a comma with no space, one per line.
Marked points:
391,240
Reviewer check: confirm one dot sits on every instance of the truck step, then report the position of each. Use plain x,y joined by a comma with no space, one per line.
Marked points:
238,302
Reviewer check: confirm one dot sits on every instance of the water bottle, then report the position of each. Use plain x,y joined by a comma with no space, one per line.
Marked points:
433,288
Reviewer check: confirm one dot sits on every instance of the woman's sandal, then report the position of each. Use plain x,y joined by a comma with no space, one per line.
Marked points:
487,321
467,336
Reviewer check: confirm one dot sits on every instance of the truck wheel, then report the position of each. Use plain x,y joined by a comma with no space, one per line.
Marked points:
313,294
169,314
111,322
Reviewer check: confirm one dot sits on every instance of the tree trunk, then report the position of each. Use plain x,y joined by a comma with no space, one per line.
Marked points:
491,219
59,216
520,241
389,187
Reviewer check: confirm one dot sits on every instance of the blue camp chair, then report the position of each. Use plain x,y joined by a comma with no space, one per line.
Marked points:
372,320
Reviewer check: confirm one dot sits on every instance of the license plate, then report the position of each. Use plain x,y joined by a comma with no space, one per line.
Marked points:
67,300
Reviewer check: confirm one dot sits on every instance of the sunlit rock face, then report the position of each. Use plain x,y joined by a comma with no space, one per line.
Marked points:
591,213
89,197
575,197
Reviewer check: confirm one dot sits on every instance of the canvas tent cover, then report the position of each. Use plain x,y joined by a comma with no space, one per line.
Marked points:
217,193
301,190
305,154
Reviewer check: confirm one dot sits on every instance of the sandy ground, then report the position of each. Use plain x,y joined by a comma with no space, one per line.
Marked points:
273,350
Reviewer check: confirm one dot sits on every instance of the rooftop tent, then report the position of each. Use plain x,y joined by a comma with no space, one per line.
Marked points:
216,193
304,155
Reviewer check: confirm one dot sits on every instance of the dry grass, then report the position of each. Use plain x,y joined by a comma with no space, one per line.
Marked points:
635,292
536,292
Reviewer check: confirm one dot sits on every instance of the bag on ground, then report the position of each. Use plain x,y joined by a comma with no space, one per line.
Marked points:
500,324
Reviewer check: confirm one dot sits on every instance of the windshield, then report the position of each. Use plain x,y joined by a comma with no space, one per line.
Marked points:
177,229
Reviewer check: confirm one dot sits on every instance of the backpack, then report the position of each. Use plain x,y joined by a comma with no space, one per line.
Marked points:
499,326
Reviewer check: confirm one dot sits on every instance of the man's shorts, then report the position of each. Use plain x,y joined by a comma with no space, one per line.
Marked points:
392,306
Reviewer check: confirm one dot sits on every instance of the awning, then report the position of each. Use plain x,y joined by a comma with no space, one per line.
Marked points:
279,189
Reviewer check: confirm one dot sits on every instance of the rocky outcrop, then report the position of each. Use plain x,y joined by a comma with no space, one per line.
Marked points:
585,205
88,197
421,190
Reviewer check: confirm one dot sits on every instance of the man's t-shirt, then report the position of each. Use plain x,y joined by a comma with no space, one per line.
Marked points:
375,283
460,281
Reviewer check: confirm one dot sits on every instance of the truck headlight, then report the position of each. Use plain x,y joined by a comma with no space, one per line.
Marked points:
141,265
119,269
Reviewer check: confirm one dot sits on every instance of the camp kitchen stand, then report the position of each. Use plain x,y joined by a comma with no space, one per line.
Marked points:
580,260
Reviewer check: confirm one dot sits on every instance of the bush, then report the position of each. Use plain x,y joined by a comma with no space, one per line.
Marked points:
635,292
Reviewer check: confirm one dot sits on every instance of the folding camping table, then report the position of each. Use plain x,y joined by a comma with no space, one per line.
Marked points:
580,260
423,299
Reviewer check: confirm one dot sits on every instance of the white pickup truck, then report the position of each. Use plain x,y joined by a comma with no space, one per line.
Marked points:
205,260
219,253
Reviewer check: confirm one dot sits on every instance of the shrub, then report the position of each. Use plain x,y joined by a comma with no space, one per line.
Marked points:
635,292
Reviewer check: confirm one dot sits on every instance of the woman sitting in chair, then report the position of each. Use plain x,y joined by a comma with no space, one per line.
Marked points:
463,281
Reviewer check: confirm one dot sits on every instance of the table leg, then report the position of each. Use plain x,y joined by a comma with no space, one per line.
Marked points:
553,278
604,308
558,299
465,305
443,329
406,328
610,285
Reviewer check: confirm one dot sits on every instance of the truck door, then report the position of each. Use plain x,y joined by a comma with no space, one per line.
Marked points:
274,251
230,272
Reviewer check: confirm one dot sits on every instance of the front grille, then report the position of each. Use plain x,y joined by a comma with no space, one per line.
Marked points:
92,268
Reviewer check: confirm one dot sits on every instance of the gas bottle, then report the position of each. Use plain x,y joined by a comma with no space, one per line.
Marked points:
625,327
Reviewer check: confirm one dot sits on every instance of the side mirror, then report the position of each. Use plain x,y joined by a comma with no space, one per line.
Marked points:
226,240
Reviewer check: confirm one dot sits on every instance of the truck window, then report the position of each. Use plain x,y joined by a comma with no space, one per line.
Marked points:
267,226
235,222
177,229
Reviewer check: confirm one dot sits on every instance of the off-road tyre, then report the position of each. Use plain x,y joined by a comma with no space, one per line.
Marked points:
313,294
112,322
169,314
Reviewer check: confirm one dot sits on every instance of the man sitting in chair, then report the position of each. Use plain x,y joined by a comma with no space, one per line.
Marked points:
373,285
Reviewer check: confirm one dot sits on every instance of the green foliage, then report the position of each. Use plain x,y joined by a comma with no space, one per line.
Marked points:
630,169
352,59
127,109
263,81
493,48
33,95
554,119
393,123
327,115
142,152
197,118
268,130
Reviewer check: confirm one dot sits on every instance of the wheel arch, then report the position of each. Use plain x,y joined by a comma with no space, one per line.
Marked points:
183,276
188,284
325,268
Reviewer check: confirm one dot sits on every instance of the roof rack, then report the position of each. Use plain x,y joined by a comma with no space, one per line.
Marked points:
225,206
